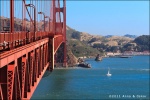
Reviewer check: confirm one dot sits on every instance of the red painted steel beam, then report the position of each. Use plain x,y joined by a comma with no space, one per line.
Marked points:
51,54
29,94
23,70
36,63
16,87
64,32
10,80
58,40
1,93
9,56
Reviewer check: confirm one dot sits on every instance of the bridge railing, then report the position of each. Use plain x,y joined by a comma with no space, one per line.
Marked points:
15,39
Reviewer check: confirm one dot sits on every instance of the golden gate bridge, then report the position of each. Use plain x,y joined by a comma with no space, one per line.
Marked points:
31,34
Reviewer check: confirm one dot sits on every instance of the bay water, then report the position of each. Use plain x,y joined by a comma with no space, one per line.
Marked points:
129,80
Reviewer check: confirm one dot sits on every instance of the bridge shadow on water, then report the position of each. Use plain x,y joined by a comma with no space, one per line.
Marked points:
52,85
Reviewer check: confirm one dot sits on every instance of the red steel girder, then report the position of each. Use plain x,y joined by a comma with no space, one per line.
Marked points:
29,94
10,80
36,63
23,70
1,93
58,39
31,65
16,87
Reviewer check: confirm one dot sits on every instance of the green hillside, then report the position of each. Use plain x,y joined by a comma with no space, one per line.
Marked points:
79,48
143,42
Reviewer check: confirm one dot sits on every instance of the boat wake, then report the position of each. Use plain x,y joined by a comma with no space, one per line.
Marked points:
131,69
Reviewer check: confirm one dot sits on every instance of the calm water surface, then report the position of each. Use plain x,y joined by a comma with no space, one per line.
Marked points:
129,80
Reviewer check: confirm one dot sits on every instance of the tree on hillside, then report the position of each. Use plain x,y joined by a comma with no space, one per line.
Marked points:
92,40
76,35
102,45
143,42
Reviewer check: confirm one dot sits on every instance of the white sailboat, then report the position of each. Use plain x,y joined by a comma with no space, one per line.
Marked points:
108,74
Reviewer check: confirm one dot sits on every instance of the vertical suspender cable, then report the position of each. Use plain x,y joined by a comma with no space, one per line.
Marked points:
37,16
21,24
2,13
24,22
41,9
44,13
4,9
1,16
31,17
36,13
40,14
22,18
15,9
0,26
7,9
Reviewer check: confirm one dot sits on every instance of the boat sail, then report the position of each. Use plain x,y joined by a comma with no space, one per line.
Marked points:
108,74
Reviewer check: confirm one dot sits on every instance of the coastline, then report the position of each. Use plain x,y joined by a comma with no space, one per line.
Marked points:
76,66
131,73
69,67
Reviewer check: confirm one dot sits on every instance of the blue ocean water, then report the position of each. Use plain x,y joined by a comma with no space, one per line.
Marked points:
129,80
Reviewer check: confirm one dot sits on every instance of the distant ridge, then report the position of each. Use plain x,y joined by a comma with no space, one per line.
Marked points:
126,35
131,36
108,36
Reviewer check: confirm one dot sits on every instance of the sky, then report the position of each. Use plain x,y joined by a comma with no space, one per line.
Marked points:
109,17
40,5
98,17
